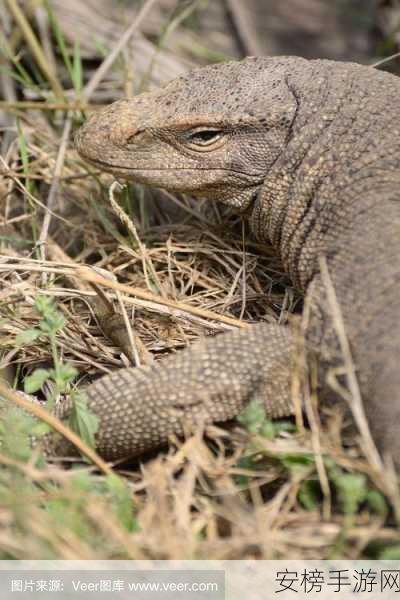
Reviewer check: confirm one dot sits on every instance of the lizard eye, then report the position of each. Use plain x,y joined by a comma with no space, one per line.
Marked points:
204,136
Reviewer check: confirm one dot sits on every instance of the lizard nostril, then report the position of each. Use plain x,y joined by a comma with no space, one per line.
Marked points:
139,136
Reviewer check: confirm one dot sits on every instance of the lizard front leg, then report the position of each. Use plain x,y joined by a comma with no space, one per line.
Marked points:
140,408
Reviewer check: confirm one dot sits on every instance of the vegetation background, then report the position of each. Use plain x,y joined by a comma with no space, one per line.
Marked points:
254,488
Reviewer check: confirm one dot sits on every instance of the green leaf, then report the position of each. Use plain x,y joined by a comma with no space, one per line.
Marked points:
246,463
390,553
268,430
23,148
81,420
122,502
377,502
77,69
253,416
284,426
100,47
44,304
20,78
83,482
39,429
66,373
53,322
352,490
34,382
310,494
58,34
15,430
297,462
26,337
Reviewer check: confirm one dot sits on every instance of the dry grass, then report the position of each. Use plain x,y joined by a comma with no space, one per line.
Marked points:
248,491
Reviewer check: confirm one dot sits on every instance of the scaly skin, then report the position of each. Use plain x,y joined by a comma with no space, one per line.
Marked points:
310,151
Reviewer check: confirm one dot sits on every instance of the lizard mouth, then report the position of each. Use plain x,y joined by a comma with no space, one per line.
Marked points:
107,166
156,177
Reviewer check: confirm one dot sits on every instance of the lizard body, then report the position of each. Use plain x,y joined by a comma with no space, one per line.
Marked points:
310,151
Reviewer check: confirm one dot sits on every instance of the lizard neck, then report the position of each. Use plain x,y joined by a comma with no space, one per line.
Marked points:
284,211
328,168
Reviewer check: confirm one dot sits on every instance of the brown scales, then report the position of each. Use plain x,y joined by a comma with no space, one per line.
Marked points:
311,151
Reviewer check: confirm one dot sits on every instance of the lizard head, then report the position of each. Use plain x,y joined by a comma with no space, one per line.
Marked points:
215,132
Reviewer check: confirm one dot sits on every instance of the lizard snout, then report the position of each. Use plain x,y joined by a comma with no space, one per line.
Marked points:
92,138
103,132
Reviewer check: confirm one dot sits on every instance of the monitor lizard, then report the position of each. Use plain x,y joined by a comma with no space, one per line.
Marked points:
309,151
